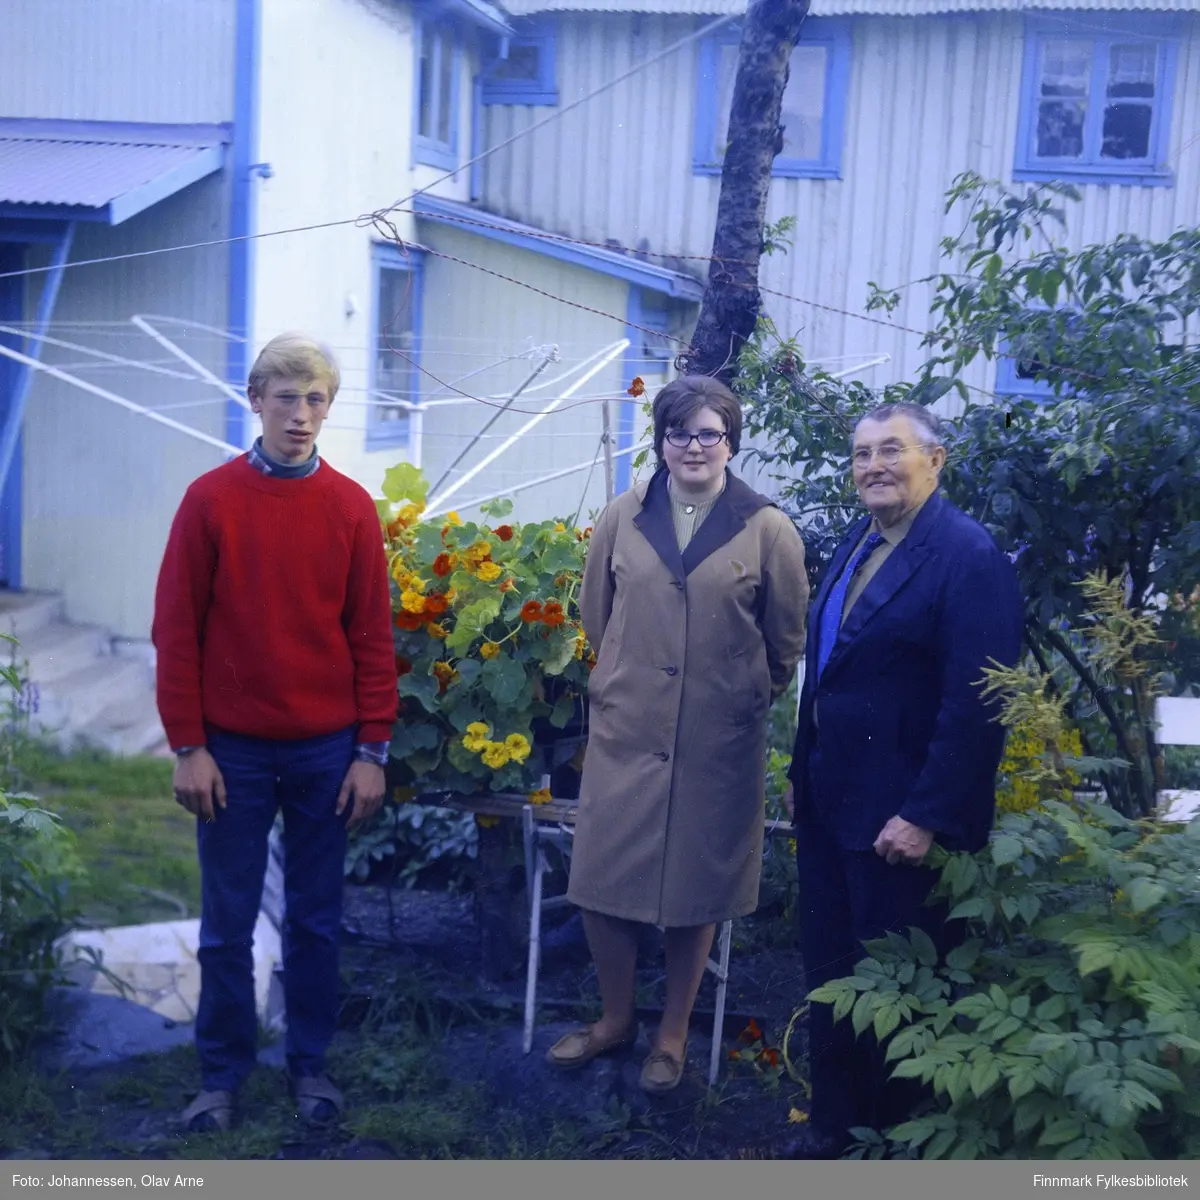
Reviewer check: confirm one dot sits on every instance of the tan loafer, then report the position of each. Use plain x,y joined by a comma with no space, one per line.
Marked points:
661,1072
580,1047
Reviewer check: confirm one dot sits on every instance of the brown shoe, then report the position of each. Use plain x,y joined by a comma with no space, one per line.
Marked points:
661,1072
581,1046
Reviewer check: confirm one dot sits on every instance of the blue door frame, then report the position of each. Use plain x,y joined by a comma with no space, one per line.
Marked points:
16,377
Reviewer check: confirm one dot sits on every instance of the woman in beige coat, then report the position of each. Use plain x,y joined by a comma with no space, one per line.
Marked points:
693,597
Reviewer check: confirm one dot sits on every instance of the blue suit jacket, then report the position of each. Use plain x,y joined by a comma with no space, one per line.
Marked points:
903,728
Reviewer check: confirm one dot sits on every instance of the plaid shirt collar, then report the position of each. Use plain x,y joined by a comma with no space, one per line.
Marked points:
258,459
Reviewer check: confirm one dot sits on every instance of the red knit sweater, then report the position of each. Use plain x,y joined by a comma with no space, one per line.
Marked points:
272,616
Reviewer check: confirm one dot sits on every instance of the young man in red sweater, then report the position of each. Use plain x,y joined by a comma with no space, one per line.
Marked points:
277,690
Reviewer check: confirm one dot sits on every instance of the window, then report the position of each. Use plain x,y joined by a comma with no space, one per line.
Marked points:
1023,368
435,140
814,101
396,323
527,74
1096,100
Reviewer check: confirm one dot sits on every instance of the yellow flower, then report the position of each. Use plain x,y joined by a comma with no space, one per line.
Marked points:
580,642
409,513
488,571
477,553
400,573
489,650
485,822
476,737
559,527
541,796
437,631
496,755
517,746
412,601
452,518
796,1117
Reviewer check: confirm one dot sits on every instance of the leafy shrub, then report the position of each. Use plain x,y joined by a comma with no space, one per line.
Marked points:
416,838
1068,1025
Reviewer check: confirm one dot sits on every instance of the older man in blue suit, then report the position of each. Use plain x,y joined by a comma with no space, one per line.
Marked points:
896,748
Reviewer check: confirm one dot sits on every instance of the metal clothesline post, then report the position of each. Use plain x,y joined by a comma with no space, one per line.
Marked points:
606,437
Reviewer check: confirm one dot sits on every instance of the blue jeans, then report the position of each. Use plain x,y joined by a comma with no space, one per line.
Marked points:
262,776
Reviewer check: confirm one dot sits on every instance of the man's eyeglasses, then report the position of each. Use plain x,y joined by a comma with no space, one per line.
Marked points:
708,438
889,455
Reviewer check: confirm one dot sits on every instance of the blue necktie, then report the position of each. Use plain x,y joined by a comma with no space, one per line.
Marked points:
831,614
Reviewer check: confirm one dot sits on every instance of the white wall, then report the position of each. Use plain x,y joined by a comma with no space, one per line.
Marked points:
336,119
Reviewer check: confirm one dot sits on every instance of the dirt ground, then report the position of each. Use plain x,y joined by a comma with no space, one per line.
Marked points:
430,1058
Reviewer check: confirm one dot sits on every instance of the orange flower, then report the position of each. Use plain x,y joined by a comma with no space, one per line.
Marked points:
444,564
508,584
582,535
770,1056
531,611
403,666
552,614
541,796
436,603
504,532
751,1033
394,529
436,631
637,387
445,674
407,620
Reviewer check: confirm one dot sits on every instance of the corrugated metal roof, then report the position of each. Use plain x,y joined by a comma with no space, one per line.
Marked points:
98,170
845,8
528,237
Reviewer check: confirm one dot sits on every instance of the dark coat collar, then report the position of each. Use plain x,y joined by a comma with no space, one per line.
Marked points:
727,518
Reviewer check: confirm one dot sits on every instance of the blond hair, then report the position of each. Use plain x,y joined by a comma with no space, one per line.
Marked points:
294,356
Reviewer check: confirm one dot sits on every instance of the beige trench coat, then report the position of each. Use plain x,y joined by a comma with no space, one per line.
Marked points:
691,650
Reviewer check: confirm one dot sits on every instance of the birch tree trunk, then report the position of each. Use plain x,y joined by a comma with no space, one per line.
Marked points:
731,299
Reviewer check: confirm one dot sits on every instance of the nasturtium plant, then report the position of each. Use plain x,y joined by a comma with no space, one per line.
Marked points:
489,645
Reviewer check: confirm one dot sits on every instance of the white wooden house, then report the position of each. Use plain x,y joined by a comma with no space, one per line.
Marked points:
887,101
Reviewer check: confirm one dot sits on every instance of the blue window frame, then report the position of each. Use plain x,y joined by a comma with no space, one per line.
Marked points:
1096,95
396,302
524,69
436,101
814,102
1020,369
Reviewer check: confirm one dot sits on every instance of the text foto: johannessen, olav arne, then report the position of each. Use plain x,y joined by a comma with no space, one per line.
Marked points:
122,1181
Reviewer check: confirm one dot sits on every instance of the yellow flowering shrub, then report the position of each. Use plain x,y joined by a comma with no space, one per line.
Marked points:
1022,783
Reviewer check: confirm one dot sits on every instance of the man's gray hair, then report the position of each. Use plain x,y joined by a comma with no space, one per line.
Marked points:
917,413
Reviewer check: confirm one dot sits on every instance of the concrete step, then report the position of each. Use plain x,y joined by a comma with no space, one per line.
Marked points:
129,725
74,701
23,613
59,650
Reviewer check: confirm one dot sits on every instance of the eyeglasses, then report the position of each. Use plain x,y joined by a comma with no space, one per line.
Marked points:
888,455
708,438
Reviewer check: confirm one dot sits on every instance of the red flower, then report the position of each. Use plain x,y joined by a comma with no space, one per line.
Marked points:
403,666
553,614
407,620
442,565
751,1033
436,603
504,532
531,611
770,1056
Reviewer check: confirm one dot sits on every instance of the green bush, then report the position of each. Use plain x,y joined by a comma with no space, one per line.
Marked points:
1068,1025
416,838
36,864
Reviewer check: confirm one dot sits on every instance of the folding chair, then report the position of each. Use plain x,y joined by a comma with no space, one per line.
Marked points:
538,835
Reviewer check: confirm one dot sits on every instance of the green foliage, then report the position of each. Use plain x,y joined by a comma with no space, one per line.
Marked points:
1100,480
414,837
1067,1025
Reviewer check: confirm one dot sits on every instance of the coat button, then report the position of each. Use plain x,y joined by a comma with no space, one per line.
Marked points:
678,583
663,755
672,670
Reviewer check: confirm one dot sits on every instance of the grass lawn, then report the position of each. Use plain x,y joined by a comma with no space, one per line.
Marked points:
137,846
